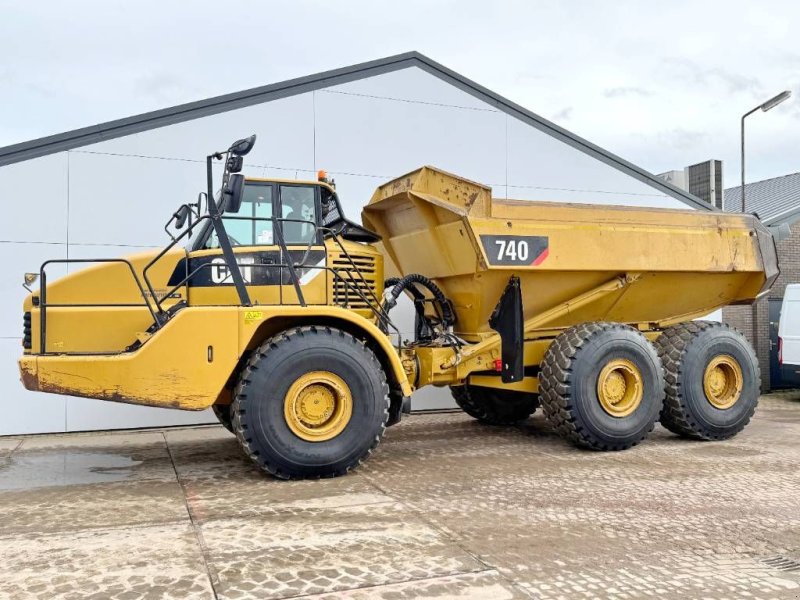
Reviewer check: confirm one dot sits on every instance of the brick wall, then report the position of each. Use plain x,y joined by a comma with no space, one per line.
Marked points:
741,317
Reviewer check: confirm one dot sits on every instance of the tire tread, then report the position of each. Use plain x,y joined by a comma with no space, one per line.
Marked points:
676,415
555,380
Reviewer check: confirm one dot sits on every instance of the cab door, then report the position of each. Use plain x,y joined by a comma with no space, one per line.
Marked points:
251,235
299,212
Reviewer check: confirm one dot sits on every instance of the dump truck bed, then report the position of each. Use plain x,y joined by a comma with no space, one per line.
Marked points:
679,264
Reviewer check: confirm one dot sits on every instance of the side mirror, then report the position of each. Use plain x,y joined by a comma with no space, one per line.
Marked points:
180,216
199,204
242,147
233,193
234,164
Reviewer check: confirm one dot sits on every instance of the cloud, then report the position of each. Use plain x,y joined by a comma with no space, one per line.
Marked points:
692,73
164,87
622,91
682,139
563,115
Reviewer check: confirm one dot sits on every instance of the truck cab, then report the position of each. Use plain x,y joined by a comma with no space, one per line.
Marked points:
169,327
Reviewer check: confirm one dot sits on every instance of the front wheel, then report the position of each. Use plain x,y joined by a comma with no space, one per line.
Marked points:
311,402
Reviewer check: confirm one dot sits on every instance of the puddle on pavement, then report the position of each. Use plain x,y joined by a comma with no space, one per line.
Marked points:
23,471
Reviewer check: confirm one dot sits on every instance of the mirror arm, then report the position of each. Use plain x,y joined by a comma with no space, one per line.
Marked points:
169,233
222,237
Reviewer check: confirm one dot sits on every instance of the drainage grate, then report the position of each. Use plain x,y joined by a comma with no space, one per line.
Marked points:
782,563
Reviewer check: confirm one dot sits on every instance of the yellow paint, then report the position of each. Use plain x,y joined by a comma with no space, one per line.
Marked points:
723,381
251,316
172,369
528,384
318,406
620,387
687,262
101,328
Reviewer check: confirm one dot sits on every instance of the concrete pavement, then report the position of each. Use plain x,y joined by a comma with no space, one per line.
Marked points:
446,508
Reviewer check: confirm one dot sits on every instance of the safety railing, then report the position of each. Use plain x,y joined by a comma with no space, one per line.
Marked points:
44,304
359,287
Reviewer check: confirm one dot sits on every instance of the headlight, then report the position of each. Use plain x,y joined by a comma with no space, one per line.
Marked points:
30,279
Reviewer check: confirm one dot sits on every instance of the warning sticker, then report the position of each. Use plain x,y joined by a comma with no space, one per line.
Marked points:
252,316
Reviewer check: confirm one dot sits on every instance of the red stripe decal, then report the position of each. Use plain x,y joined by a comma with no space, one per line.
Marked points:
540,259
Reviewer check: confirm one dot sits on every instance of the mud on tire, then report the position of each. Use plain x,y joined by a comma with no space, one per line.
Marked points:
569,385
687,351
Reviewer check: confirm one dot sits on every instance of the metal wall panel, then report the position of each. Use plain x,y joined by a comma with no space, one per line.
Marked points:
83,414
34,196
387,138
24,411
543,168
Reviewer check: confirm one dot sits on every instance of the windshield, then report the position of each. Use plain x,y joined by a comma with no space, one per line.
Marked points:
256,202
301,204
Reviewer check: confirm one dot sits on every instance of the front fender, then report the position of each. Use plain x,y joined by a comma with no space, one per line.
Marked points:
257,324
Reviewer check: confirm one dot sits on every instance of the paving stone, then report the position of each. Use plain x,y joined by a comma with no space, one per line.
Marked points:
106,440
446,508
325,550
88,507
132,563
468,586
8,445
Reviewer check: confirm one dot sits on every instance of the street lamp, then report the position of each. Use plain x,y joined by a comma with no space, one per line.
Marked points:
769,104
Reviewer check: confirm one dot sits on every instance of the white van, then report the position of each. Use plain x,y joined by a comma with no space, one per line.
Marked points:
789,336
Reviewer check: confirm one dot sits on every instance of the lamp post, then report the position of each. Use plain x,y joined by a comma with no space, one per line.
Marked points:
769,104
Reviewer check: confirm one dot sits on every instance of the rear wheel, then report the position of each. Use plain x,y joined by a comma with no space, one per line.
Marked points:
712,380
601,386
494,406
311,402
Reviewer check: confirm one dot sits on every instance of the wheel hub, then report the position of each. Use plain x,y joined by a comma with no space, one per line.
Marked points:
620,388
318,406
723,381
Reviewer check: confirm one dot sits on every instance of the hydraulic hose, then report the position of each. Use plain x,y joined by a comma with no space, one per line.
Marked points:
407,283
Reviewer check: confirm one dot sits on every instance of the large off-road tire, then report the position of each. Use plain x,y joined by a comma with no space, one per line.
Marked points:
494,406
223,414
712,380
311,402
601,386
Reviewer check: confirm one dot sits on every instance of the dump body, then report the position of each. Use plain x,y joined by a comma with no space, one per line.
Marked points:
674,264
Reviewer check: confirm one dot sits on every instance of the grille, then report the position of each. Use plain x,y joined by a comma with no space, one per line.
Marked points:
349,289
26,331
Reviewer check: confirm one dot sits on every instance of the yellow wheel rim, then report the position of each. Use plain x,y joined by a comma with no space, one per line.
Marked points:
723,381
620,388
318,406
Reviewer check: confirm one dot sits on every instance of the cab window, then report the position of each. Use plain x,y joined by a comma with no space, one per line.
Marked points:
299,207
256,202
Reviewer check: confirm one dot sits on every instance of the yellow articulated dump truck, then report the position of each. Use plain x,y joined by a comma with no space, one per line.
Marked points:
271,307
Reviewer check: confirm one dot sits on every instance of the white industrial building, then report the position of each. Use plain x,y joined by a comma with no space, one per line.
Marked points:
107,190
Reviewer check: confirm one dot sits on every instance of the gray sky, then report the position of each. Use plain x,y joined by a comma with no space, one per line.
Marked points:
661,84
